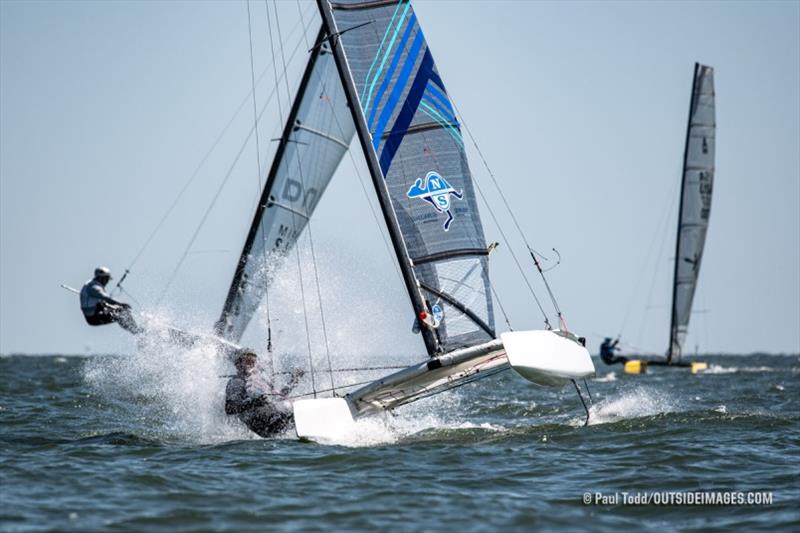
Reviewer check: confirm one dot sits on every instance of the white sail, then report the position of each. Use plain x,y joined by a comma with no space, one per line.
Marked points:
695,206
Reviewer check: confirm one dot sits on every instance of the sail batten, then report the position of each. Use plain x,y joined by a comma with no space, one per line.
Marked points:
695,204
412,132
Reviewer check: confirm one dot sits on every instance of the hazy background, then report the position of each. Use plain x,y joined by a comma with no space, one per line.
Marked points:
106,109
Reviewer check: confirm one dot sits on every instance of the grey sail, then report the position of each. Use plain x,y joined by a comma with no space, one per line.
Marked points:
695,204
317,133
416,141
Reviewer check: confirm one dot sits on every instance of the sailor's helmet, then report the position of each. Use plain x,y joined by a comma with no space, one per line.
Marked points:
102,271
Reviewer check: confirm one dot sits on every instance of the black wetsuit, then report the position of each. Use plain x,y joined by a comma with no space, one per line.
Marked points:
256,404
607,353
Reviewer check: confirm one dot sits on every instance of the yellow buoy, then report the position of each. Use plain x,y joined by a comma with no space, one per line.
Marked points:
699,367
636,366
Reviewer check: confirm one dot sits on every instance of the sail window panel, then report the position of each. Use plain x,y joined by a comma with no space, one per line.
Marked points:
463,282
459,331
318,140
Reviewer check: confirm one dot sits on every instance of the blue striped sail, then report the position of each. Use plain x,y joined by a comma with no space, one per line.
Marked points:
417,138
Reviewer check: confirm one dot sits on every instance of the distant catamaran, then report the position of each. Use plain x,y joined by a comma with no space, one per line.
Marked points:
693,215
371,74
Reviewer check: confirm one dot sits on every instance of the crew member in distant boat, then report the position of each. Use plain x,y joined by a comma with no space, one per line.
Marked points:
99,308
255,401
607,350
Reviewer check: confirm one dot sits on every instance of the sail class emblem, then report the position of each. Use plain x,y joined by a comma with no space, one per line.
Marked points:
435,190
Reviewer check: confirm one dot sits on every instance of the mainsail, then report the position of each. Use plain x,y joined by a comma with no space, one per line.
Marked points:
317,133
415,150
695,205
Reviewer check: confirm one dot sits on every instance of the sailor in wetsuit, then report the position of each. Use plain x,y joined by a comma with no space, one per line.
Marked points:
607,350
253,399
100,308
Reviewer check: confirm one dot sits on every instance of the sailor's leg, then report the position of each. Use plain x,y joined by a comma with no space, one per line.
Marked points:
268,422
101,316
124,318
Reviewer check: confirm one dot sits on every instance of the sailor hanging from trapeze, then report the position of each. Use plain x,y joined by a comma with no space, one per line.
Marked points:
99,308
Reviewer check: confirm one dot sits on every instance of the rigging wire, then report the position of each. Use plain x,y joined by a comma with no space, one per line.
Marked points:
311,238
177,268
355,166
255,105
294,216
192,177
502,309
316,272
664,232
369,200
270,358
513,255
531,250
659,232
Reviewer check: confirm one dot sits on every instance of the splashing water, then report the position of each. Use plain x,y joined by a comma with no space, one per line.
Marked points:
176,392
611,376
636,403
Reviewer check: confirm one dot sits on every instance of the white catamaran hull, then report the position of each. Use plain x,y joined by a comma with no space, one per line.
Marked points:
547,358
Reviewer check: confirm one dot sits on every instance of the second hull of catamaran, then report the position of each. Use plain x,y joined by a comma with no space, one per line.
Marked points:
546,358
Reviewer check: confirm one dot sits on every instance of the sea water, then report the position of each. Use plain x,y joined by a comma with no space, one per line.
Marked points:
140,442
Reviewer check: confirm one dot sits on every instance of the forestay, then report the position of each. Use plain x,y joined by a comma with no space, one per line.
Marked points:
696,188
316,136
417,140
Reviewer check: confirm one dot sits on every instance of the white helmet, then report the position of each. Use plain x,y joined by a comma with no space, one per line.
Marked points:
102,271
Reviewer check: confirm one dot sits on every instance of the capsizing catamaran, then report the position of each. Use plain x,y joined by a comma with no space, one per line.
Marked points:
697,183
371,74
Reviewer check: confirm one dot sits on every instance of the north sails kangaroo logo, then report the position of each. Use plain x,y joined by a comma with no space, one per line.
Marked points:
437,191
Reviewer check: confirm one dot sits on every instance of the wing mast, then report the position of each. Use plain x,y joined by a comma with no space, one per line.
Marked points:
417,301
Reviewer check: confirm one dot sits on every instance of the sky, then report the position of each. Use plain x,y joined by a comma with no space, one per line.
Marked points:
107,110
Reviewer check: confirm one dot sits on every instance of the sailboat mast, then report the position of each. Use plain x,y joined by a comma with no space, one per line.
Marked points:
673,330
378,180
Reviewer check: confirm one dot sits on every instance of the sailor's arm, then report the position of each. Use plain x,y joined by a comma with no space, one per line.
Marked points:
239,397
294,379
235,398
100,293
